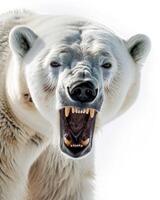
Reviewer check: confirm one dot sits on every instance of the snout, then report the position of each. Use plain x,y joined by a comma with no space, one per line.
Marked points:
81,98
84,92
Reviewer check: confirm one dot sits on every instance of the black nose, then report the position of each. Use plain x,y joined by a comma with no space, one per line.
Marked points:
84,92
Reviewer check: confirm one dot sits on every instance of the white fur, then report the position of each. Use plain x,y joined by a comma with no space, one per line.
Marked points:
32,165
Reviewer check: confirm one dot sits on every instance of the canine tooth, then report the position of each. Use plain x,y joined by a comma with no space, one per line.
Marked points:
67,110
87,110
85,142
72,109
84,110
67,142
92,111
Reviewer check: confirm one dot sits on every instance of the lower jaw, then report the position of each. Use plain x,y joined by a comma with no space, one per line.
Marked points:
81,154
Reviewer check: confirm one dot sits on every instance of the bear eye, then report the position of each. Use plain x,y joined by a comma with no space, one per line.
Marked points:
55,64
107,65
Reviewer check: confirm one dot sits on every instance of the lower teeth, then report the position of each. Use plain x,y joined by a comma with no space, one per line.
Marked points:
76,145
67,142
85,142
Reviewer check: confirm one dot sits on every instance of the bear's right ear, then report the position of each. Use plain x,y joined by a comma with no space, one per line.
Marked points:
21,39
139,46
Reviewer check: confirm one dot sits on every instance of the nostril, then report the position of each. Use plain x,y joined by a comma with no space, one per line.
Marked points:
76,92
88,92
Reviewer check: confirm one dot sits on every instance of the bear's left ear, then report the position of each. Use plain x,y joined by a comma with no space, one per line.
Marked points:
139,47
21,40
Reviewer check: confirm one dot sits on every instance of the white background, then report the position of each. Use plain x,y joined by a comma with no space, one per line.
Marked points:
128,150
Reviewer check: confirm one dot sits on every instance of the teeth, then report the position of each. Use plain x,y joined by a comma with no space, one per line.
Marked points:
92,111
76,145
87,110
67,110
79,111
67,142
85,142
72,109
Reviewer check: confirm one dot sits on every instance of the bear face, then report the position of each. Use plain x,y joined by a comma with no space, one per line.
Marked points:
78,76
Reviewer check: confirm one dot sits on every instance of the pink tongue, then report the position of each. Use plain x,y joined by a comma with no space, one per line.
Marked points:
77,122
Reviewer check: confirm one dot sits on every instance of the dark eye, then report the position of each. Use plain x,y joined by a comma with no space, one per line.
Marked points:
55,64
107,65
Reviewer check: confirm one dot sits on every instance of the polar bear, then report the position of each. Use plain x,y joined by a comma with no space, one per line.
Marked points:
62,78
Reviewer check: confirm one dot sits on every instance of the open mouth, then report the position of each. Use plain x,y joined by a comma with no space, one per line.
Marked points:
77,129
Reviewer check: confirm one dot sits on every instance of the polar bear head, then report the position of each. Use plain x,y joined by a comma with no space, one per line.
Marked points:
74,76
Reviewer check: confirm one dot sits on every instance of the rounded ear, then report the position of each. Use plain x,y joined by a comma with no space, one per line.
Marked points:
21,40
139,46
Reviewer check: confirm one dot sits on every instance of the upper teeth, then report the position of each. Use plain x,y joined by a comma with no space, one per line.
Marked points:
77,110
67,110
